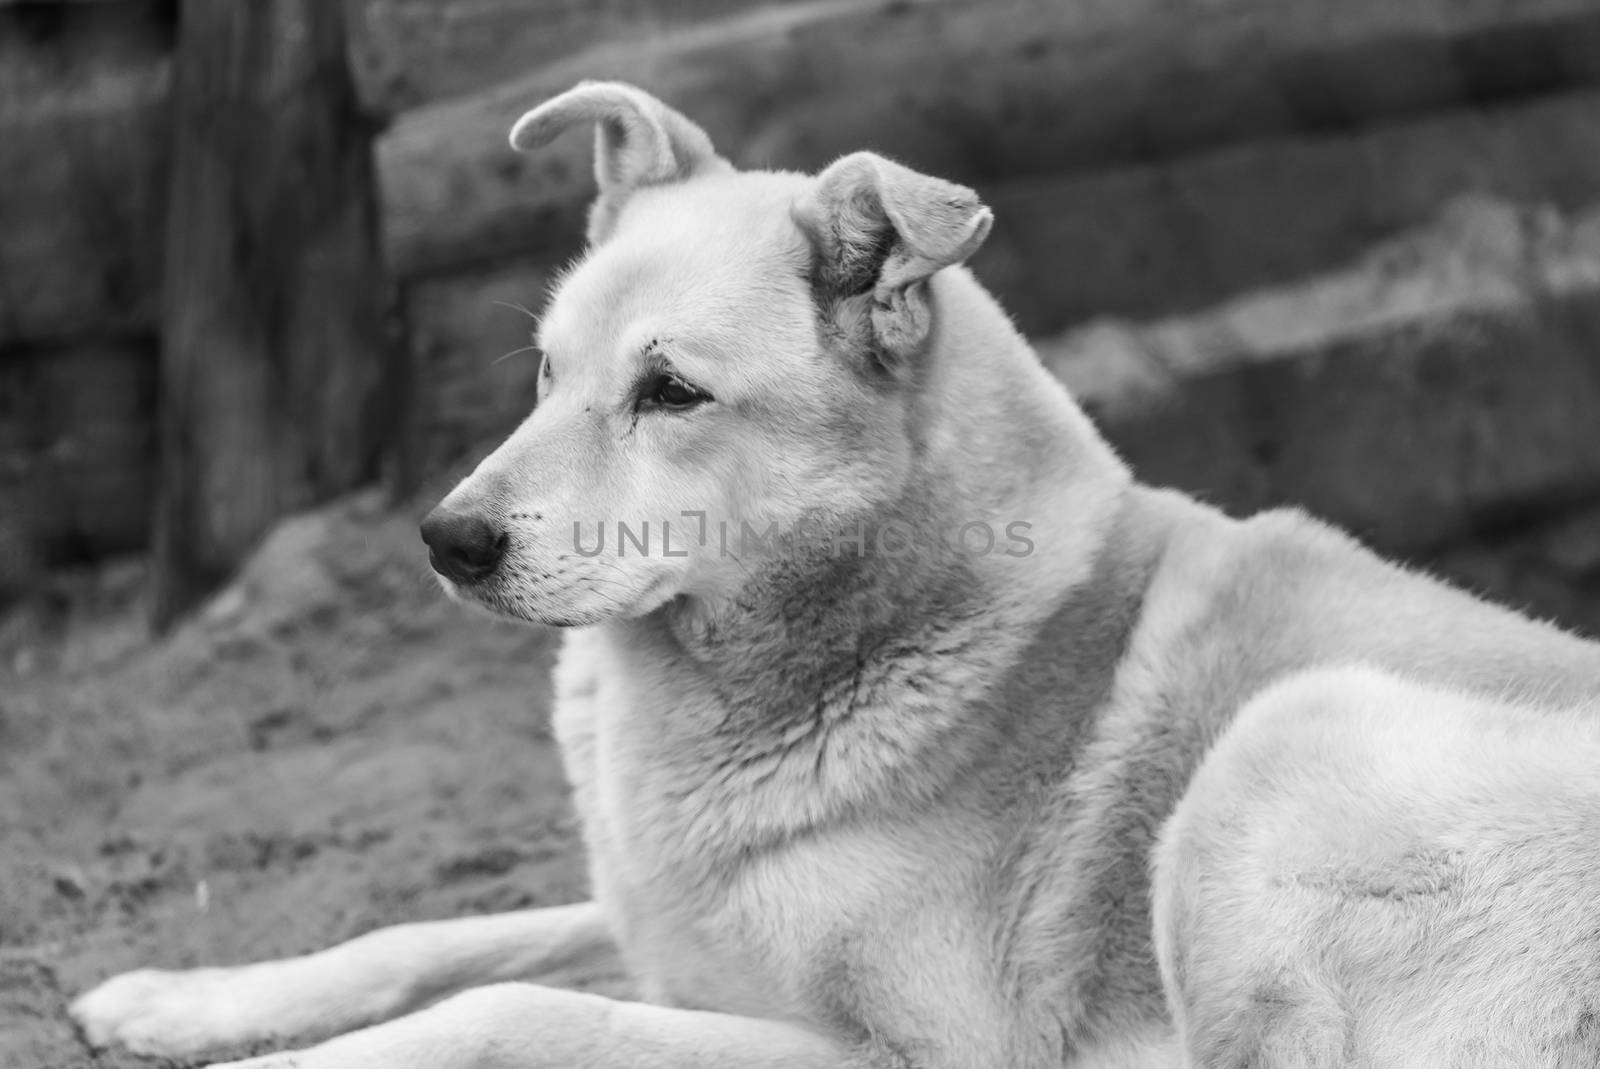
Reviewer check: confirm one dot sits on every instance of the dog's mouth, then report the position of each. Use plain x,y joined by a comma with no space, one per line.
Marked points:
486,596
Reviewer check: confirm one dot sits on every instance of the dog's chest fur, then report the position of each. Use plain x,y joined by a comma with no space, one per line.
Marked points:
741,870
825,858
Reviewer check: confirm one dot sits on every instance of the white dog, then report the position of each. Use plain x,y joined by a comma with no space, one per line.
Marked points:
885,678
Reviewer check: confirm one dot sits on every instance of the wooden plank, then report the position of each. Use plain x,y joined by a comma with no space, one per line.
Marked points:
1439,386
416,51
55,53
273,366
1162,239
77,454
1167,239
980,90
82,195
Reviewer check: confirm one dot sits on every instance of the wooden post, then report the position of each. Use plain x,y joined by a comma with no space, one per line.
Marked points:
273,362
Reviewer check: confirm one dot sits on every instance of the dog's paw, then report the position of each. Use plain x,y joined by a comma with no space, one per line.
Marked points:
156,1012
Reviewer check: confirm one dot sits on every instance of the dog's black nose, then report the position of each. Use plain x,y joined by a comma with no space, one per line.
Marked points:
463,546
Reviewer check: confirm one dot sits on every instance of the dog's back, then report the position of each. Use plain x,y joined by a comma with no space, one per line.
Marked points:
1233,609
1370,871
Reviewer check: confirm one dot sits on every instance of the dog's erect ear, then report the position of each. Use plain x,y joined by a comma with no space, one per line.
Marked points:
883,229
639,141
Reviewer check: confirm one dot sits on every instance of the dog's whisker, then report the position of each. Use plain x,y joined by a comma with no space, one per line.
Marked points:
515,307
514,352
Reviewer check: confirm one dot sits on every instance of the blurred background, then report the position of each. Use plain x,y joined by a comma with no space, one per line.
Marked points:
259,259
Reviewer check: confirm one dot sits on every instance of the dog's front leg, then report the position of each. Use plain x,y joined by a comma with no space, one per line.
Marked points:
368,979
523,1026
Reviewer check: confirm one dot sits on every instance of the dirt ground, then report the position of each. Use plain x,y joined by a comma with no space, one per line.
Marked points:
330,747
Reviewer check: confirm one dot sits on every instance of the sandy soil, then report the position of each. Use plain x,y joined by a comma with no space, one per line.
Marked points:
329,748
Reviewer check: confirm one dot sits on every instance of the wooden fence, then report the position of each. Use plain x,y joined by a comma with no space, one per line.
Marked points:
1145,158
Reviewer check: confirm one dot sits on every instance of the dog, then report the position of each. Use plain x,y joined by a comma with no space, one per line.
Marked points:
907,729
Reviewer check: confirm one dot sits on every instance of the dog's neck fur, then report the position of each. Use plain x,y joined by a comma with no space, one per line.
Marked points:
808,645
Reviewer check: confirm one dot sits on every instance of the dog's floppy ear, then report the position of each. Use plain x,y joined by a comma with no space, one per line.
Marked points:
882,229
639,141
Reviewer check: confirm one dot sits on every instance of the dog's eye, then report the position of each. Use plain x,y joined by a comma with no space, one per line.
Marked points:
668,392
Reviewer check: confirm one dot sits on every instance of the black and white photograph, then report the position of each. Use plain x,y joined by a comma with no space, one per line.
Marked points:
799,534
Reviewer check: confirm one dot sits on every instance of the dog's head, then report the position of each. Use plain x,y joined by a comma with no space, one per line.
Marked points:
735,357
